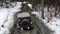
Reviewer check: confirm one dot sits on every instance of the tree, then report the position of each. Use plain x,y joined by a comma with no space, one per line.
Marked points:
59,6
48,8
48,5
42,12
56,8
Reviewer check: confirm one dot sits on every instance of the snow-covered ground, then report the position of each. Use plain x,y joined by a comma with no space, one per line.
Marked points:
7,16
54,24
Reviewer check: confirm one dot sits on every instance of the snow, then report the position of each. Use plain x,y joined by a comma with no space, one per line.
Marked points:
54,24
7,17
3,16
30,5
24,2
4,31
36,13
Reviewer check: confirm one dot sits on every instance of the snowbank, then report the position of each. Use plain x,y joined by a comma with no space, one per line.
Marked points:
3,16
54,25
7,18
36,13
4,31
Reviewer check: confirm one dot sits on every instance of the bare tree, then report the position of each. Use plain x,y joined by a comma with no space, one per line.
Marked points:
42,12
48,8
48,5
56,8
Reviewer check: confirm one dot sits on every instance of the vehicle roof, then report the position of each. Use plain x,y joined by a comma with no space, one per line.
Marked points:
23,14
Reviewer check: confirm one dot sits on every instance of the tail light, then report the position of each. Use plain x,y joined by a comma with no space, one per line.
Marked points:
31,22
17,24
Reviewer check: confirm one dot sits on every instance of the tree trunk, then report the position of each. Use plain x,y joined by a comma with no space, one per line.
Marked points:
55,8
55,11
59,10
48,8
42,12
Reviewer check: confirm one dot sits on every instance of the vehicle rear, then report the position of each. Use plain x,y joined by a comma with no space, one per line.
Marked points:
24,21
